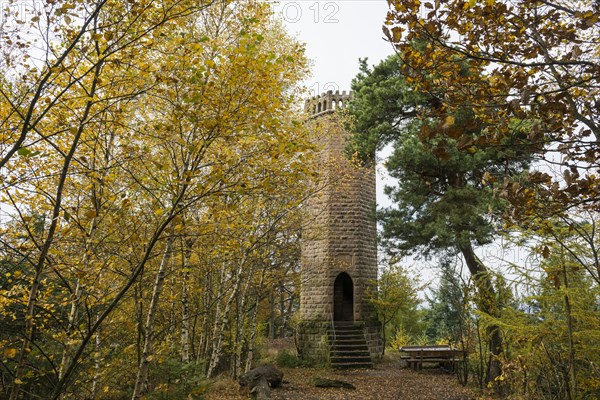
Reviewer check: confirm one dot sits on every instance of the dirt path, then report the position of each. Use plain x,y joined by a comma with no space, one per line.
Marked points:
386,381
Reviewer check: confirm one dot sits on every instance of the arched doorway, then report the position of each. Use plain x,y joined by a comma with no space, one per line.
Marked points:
343,298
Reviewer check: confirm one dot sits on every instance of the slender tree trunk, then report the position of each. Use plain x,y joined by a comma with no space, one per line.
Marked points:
185,302
173,321
253,324
72,321
252,340
213,342
238,342
185,319
97,195
221,322
95,379
139,320
240,324
74,312
141,382
272,316
480,377
569,315
206,320
487,303
286,316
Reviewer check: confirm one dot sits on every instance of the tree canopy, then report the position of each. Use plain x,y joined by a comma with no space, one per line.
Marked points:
152,167
445,194
531,63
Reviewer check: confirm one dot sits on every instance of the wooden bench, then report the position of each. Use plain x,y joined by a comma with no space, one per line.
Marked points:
445,356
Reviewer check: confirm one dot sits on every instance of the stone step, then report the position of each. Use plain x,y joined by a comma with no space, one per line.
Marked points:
356,351
351,359
348,342
346,333
352,365
354,347
354,340
349,348
350,354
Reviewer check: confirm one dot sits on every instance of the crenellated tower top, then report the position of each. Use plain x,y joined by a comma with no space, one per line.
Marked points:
327,102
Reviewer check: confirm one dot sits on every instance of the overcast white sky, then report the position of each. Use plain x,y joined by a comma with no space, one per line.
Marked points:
337,33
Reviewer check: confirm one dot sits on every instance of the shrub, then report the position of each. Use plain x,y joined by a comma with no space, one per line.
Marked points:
287,359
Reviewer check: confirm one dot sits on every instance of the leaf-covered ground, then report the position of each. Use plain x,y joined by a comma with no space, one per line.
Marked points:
386,381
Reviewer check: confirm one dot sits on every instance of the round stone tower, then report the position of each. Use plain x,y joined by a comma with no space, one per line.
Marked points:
339,249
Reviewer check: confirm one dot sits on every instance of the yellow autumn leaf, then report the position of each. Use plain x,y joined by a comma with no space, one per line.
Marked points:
10,353
90,214
449,121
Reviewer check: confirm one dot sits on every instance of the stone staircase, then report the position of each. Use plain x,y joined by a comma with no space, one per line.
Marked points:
348,349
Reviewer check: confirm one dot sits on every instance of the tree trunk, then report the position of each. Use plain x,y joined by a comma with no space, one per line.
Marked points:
71,321
252,339
205,329
487,303
253,324
569,315
74,312
185,306
141,381
238,335
220,322
97,357
238,325
272,316
286,315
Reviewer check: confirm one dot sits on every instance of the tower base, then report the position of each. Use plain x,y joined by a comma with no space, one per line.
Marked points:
313,340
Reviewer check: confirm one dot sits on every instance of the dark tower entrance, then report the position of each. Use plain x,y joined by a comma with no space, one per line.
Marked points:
343,298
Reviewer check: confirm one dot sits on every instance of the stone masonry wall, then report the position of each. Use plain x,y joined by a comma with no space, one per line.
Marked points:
339,232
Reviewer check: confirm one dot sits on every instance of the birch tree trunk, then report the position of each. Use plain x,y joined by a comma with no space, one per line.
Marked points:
572,385
141,382
75,304
185,304
285,312
272,316
253,324
97,344
221,321
205,331
240,331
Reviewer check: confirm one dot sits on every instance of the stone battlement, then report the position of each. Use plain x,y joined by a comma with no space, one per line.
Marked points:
327,102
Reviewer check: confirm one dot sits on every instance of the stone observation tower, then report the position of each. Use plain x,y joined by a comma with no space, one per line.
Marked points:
339,250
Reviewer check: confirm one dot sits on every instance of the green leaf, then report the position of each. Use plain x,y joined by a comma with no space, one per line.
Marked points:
24,152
